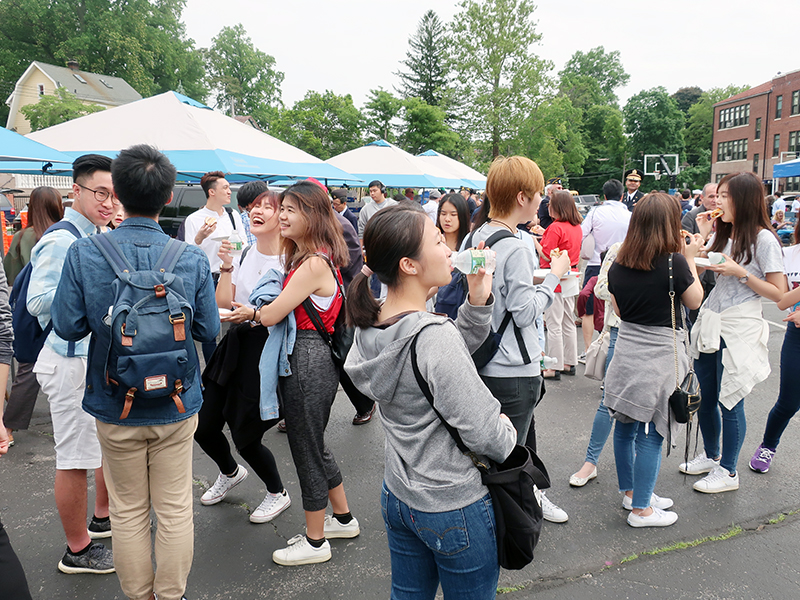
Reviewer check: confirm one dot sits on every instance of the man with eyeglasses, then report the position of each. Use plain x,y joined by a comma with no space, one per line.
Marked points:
61,372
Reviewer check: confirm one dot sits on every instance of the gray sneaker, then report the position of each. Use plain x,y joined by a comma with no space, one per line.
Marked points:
98,559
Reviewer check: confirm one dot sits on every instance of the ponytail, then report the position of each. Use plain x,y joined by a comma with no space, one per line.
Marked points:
362,308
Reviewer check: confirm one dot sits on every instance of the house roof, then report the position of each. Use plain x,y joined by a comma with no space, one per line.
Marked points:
95,87
754,91
248,120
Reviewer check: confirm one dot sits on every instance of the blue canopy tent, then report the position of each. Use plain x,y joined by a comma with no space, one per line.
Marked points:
787,169
18,154
196,139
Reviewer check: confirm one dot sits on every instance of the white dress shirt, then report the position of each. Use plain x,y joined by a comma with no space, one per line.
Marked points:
608,223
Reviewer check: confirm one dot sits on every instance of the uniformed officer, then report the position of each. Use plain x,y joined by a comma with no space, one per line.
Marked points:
633,179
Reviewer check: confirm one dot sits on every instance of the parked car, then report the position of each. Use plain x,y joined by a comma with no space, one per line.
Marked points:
585,202
186,199
7,204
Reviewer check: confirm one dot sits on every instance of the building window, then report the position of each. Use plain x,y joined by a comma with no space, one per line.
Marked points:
733,150
778,107
796,102
794,141
776,145
758,128
41,89
734,116
720,176
755,163
792,184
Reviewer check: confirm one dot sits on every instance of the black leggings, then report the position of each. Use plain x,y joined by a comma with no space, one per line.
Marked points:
12,577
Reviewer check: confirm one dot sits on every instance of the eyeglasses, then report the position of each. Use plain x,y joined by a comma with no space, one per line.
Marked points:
101,195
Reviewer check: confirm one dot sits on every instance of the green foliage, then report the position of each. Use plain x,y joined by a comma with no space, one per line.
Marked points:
654,124
424,128
379,112
501,79
605,143
686,96
428,73
699,174
700,125
593,77
52,110
240,73
141,41
321,124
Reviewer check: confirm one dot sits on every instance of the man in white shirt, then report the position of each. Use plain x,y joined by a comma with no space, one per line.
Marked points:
607,224
779,204
379,200
431,207
795,205
208,226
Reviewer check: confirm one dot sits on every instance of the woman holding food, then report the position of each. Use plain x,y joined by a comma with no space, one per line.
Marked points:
563,235
729,339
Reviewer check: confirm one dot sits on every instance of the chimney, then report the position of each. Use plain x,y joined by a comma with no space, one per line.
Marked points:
73,64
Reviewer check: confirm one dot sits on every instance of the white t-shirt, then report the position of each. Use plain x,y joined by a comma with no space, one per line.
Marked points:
212,243
791,266
431,207
247,275
779,204
608,223
796,205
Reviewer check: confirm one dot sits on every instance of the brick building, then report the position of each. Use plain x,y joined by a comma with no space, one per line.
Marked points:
758,129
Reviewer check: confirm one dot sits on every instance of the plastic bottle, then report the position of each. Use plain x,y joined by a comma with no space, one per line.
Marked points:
548,362
469,261
236,243
716,258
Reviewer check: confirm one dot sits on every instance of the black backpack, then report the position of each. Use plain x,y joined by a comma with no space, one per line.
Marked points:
450,297
29,336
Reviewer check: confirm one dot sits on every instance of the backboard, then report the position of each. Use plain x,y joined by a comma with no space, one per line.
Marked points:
661,164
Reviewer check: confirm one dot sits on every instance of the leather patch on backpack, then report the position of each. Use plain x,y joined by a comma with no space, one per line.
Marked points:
155,382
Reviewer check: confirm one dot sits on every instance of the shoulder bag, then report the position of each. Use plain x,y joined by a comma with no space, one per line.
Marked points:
596,355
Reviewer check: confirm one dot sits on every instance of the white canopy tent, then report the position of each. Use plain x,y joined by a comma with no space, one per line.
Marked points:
435,160
195,138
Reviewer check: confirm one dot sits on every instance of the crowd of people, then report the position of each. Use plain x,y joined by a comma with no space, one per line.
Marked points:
288,273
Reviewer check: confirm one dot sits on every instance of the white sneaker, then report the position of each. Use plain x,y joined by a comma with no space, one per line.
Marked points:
718,480
271,507
334,529
659,518
551,512
655,502
698,465
300,552
222,486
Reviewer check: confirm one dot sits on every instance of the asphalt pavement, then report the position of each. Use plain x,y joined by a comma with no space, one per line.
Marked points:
741,544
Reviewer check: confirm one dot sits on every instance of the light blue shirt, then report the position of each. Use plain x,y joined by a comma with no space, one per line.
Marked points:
251,239
47,258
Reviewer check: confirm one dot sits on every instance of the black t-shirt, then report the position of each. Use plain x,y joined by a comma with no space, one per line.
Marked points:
643,296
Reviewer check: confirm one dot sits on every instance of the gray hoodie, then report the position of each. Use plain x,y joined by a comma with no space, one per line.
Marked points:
424,468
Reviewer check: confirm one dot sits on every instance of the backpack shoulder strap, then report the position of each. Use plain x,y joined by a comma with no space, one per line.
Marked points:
169,256
229,210
244,253
64,224
497,236
111,252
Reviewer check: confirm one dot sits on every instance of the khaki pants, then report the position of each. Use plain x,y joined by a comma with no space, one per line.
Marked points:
562,336
144,466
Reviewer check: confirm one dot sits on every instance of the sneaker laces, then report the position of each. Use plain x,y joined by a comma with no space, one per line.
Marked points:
270,500
220,484
766,454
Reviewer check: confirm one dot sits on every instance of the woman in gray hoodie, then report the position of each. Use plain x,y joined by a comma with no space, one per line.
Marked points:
438,515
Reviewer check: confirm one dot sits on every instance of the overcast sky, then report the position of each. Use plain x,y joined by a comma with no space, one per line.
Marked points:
352,46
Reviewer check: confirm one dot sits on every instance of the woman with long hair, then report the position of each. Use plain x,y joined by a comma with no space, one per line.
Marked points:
563,235
44,209
314,251
231,379
653,259
452,219
438,515
729,339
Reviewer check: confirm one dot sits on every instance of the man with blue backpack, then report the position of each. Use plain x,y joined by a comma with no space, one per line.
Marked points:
144,298
61,370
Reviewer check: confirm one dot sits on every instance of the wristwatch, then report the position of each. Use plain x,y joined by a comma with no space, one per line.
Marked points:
743,279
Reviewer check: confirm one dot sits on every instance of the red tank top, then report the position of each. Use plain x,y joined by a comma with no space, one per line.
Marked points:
328,317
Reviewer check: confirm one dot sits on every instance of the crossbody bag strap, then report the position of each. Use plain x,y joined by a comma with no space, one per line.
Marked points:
672,316
316,319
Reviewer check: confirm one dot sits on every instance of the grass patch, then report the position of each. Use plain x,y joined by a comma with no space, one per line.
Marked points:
781,517
508,590
732,532
629,558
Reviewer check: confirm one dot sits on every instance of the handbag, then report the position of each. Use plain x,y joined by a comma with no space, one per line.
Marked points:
596,355
513,486
587,247
685,400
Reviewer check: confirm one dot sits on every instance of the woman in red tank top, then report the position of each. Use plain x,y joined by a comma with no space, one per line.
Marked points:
311,238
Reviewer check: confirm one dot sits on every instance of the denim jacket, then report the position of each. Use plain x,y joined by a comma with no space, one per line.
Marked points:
280,344
84,295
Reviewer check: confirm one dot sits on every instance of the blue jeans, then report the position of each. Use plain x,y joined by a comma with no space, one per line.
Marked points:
789,395
602,420
457,548
732,422
638,457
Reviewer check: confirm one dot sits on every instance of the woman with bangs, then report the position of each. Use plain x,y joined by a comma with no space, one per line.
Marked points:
231,380
730,336
452,219
314,250
637,385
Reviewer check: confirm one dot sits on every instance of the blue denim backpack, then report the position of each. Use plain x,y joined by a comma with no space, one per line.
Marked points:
151,354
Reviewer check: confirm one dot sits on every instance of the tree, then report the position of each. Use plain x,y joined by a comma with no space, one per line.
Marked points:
379,112
321,124
598,66
424,128
686,96
141,41
700,125
605,143
502,79
52,110
654,124
428,73
243,77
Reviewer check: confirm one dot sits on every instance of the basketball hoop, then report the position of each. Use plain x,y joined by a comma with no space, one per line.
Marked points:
657,175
